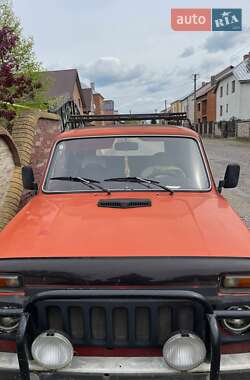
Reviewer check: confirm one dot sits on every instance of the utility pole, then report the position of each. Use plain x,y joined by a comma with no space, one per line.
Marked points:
195,76
165,105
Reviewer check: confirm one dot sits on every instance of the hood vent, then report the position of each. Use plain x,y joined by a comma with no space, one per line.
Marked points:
124,203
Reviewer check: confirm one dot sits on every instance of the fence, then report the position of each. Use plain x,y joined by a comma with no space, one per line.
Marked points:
225,129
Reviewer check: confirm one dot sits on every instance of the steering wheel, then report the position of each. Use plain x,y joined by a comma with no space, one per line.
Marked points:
161,171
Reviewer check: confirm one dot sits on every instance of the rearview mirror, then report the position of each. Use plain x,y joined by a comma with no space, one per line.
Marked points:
28,178
231,178
126,145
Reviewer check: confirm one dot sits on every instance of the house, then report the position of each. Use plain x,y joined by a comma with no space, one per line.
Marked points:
187,105
89,105
233,92
108,107
102,106
206,103
63,86
175,106
98,100
206,98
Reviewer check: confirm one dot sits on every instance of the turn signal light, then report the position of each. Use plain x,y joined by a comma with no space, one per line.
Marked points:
10,282
236,282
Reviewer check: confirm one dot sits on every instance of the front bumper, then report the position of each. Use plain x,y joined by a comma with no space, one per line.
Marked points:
98,367
126,368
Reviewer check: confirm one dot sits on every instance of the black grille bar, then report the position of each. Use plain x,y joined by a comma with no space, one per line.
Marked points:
141,322
131,293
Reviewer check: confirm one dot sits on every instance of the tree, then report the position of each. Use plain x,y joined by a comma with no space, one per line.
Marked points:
23,50
19,69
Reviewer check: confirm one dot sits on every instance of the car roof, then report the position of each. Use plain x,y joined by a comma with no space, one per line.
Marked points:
132,130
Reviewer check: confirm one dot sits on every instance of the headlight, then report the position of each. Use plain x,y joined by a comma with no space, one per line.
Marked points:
237,325
52,350
184,352
8,324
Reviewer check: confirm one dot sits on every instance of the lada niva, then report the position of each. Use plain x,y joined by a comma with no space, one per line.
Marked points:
127,262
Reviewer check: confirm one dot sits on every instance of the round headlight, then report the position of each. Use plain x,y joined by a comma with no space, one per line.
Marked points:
52,350
237,325
8,324
184,352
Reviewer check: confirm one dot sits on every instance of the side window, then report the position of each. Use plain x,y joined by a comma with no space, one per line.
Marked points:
221,110
233,86
221,91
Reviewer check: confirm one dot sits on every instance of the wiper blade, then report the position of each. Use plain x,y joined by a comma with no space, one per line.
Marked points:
143,181
91,183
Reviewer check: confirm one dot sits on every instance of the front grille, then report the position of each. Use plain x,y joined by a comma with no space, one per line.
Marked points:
119,323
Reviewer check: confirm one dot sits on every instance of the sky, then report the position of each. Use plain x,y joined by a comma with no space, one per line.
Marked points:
127,47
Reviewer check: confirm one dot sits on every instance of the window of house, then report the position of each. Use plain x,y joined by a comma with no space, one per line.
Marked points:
233,86
204,107
227,108
221,91
199,107
227,88
79,103
221,110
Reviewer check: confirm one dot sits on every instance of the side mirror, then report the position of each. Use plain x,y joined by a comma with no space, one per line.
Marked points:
28,178
231,178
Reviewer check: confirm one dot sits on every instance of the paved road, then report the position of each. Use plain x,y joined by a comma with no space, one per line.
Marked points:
220,153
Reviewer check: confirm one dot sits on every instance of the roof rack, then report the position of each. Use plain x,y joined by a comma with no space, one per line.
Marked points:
76,120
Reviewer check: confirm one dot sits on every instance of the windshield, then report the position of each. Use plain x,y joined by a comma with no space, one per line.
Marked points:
175,162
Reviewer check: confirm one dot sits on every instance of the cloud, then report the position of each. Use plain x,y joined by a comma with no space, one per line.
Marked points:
158,84
188,52
211,66
110,70
221,41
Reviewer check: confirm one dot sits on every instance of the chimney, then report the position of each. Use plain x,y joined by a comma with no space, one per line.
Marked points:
92,85
213,80
203,84
246,56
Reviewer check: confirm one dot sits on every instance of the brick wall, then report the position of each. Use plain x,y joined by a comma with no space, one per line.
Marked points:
207,113
211,106
47,128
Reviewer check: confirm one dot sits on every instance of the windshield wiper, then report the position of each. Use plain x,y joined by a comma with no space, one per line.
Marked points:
91,183
143,181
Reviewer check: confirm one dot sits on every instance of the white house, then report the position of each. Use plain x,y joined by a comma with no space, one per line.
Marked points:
187,105
233,93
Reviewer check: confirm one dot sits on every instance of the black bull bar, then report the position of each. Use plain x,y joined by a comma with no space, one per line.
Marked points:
211,315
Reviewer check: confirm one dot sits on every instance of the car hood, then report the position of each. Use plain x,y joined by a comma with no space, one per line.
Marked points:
72,225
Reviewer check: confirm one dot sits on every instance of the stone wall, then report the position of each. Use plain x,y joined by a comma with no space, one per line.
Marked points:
33,133
7,166
10,178
243,129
